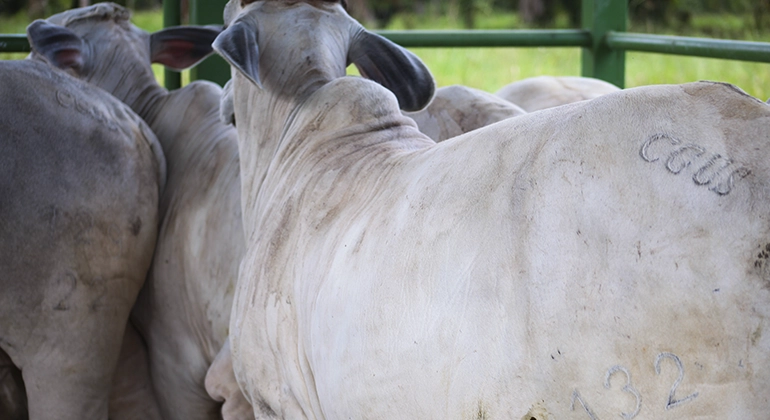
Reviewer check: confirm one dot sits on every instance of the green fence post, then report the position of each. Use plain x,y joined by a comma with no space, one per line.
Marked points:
214,68
171,17
600,17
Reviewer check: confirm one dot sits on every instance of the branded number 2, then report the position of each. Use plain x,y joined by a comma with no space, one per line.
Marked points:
672,401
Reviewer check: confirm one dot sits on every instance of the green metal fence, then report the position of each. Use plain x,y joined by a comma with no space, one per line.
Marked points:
602,38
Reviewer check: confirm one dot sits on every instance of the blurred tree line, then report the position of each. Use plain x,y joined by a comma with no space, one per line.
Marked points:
42,8
535,12
543,12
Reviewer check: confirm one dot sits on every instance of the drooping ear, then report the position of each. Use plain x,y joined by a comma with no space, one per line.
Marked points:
181,47
394,67
238,46
59,45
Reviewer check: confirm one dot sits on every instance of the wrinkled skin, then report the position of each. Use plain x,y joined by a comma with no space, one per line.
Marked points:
222,386
131,395
542,92
459,109
183,310
568,263
454,110
80,176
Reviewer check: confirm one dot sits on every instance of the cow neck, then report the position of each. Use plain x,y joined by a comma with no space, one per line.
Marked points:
259,118
262,115
157,107
153,103
347,117
137,89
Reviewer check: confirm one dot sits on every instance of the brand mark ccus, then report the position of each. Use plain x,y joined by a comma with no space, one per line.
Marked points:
67,100
716,171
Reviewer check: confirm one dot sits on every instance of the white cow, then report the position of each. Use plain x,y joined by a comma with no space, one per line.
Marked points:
183,311
609,258
459,109
541,92
80,175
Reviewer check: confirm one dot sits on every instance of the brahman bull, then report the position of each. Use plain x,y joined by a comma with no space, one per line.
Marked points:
80,175
183,311
605,258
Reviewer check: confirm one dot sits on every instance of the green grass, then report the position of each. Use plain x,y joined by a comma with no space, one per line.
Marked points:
490,69
150,21
13,25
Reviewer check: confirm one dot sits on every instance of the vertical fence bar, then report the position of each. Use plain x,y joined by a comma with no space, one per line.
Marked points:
600,17
172,16
214,68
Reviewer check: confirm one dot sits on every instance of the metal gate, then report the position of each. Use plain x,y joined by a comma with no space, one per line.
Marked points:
602,38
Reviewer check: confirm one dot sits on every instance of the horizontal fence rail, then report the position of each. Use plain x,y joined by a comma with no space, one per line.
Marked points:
598,62
432,39
698,47
14,43
489,38
663,44
678,45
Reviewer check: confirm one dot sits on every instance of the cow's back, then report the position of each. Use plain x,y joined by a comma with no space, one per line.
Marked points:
639,260
603,258
647,258
79,181
591,260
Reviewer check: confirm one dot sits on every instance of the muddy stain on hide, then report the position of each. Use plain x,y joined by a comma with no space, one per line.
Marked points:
275,247
537,412
67,282
762,265
740,109
265,409
481,412
136,226
98,288
756,335
357,246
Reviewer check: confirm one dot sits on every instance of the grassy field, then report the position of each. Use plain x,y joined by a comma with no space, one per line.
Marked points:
492,68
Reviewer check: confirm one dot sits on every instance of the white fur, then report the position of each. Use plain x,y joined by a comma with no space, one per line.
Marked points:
459,109
80,175
541,92
554,261
184,309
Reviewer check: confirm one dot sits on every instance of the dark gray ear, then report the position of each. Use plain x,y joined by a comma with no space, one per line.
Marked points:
60,46
181,47
394,67
238,46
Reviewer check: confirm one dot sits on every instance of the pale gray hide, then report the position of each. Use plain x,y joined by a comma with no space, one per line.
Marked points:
183,311
80,175
222,385
605,257
459,109
541,92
